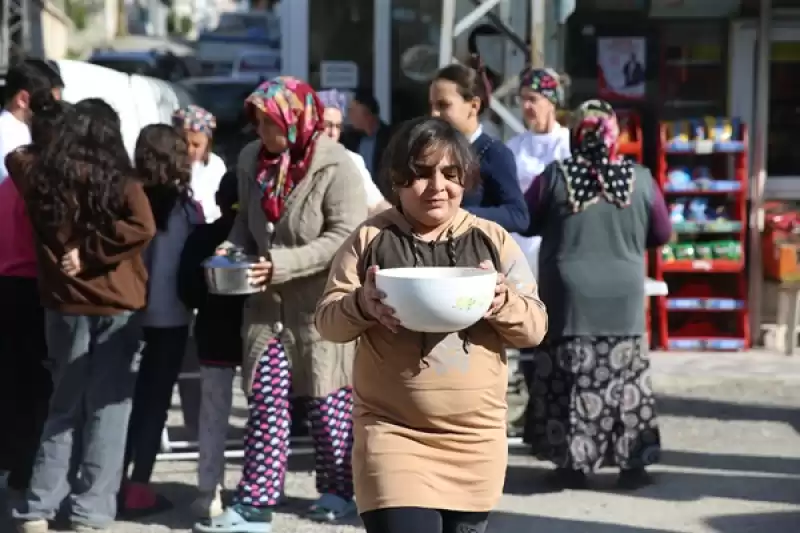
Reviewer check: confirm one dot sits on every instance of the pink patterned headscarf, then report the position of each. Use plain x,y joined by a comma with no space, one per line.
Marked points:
295,107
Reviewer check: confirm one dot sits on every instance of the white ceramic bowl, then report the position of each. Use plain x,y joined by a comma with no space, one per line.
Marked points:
437,299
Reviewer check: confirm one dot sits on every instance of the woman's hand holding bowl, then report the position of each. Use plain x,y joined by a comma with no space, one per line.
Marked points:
373,303
260,273
500,290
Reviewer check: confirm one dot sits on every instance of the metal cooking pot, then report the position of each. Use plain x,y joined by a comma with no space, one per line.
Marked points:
227,274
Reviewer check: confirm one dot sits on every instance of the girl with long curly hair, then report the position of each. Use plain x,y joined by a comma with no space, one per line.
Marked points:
164,166
91,220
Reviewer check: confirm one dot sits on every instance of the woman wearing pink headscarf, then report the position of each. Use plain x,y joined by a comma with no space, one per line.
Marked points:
591,397
300,197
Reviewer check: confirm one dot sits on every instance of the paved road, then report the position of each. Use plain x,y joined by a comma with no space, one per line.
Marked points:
731,430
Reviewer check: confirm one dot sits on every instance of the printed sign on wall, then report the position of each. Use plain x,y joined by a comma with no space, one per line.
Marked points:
622,67
342,75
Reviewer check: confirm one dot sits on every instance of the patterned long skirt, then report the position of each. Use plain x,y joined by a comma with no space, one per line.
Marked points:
591,404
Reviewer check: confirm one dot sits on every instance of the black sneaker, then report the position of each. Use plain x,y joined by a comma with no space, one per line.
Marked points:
634,479
566,479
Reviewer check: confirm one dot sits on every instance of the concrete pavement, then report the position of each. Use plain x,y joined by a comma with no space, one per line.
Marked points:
731,433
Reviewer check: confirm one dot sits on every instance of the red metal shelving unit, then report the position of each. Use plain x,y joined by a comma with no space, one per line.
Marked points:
631,146
705,269
630,135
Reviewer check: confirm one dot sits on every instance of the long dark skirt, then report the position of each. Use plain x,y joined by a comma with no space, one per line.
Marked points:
591,404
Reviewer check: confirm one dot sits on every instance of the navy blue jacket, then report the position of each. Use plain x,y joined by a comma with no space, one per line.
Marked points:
497,197
218,326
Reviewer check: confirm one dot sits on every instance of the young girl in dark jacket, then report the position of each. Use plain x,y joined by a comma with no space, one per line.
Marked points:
217,331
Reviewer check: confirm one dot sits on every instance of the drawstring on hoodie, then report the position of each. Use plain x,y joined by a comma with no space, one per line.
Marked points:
418,260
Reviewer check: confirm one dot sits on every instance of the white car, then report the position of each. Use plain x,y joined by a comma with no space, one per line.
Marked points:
139,100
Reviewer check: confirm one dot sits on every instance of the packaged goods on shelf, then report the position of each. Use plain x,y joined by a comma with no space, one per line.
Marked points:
702,171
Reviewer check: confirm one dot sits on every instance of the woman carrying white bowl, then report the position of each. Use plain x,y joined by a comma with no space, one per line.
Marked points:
430,408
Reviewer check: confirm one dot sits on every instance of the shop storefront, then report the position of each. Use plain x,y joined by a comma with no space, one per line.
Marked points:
699,59
354,43
389,46
683,61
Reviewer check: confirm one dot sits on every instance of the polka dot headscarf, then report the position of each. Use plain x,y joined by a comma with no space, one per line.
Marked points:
595,170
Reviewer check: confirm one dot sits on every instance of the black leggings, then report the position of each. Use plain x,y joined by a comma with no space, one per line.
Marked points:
25,381
160,366
421,520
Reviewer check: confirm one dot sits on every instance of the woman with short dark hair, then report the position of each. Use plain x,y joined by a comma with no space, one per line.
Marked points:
430,415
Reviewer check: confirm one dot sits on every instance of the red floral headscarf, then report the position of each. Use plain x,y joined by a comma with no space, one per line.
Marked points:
296,108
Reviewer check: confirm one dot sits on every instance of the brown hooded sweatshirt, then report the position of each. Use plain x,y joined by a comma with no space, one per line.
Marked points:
113,278
430,409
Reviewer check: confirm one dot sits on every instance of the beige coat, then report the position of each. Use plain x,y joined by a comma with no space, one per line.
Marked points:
321,212
429,419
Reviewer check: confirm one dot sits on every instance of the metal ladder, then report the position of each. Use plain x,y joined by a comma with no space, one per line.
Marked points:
15,31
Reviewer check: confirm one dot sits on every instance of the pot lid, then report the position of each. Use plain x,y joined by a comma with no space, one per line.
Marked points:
229,261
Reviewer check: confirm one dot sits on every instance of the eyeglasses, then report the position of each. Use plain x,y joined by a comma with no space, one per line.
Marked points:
332,125
517,100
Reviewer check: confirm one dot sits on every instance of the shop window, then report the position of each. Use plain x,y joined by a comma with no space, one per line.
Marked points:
693,77
611,5
783,157
694,8
416,29
341,31
751,8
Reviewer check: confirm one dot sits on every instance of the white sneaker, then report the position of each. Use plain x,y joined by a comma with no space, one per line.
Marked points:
208,504
32,526
80,528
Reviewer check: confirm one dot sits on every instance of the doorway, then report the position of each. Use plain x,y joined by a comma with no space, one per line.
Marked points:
353,33
783,159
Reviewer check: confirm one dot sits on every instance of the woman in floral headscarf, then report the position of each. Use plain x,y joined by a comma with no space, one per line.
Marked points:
541,94
591,398
198,125
300,197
